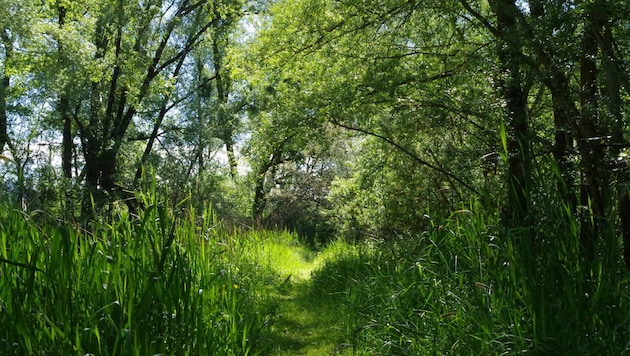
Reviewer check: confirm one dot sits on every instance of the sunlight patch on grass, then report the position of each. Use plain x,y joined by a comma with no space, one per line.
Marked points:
285,255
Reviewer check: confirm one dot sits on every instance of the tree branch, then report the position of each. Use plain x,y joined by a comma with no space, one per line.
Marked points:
484,21
408,153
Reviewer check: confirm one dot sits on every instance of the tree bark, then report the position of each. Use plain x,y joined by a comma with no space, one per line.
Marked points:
64,103
613,77
226,129
564,109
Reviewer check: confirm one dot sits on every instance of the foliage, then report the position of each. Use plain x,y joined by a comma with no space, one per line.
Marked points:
112,88
370,122
414,103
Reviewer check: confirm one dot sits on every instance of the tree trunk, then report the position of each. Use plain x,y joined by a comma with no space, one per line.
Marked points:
66,141
232,161
564,109
596,180
612,98
5,82
260,195
564,114
4,86
64,103
156,127
516,116
226,129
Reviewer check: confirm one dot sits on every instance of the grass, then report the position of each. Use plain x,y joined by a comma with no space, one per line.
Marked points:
182,285
298,322
152,284
467,286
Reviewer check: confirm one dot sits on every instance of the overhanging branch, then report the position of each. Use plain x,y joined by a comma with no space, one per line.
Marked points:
408,153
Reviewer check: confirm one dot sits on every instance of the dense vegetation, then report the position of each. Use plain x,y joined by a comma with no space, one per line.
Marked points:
299,176
164,284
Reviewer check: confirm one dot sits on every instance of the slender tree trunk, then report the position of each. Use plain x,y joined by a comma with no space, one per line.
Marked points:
612,98
226,129
67,144
564,109
595,185
63,107
232,161
564,112
260,195
5,82
156,127
516,116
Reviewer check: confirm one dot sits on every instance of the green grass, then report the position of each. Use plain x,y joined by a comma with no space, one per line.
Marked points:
468,287
153,284
182,285
298,322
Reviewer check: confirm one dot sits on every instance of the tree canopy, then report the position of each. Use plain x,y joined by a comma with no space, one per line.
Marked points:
404,107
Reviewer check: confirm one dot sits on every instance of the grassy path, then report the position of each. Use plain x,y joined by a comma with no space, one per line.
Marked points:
305,323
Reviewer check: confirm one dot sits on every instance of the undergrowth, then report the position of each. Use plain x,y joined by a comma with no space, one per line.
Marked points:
468,287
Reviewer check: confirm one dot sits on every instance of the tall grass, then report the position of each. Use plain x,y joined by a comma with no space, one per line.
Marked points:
167,283
466,286
133,285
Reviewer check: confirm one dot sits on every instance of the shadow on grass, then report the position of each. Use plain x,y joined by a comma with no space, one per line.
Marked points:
304,322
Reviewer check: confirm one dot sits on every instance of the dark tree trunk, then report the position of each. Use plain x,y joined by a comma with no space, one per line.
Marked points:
612,98
564,114
64,105
564,109
516,116
63,109
66,143
5,82
595,183
4,86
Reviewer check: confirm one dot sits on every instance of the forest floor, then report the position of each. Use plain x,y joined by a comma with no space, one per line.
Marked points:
305,322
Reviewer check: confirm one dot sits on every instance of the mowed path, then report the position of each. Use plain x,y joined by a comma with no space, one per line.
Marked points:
304,323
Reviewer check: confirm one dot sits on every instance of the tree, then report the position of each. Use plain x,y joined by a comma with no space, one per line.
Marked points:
128,79
14,32
497,74
116,84
404,89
